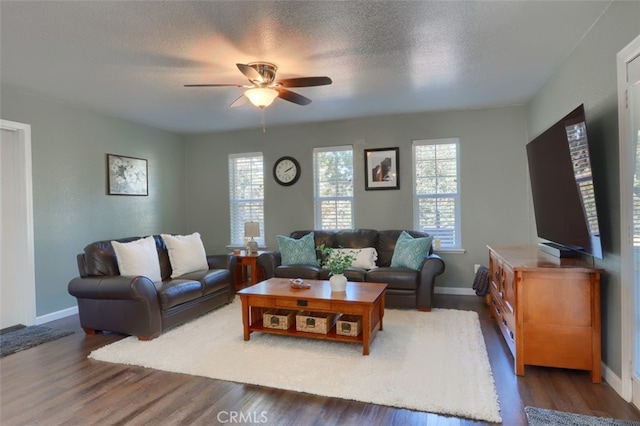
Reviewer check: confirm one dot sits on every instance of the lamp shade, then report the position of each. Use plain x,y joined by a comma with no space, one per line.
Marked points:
251,229
261,96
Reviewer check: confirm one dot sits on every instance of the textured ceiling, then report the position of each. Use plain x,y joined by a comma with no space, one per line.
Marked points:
131,59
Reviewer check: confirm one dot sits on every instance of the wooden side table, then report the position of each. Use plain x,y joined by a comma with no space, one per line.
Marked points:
247,270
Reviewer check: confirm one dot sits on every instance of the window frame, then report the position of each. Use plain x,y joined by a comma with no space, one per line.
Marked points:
317,200
236,231
457,237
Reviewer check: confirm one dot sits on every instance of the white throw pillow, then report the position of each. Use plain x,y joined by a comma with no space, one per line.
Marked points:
365,257
138,257
186,253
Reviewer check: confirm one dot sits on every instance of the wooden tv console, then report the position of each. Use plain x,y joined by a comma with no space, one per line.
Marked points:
547,308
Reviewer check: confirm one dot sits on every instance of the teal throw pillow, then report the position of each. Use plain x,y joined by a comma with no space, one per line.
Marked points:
410,252
298,252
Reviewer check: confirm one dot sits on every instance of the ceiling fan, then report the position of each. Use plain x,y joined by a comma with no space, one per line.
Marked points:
264,87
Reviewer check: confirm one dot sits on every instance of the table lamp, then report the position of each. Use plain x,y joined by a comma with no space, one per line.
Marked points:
251,230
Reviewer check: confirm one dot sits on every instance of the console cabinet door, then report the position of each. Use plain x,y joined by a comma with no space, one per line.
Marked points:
509,289
557,320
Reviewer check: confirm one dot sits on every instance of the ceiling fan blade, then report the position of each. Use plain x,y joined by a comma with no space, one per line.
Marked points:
214,85
304,81
290,96
239,101
250,73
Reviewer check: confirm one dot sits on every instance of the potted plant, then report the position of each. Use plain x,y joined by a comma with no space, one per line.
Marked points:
336,261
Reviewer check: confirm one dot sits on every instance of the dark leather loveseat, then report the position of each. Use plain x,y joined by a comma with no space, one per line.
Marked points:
406,288
137,306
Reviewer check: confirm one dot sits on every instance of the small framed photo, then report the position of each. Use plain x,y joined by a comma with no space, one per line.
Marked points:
126,175
381,169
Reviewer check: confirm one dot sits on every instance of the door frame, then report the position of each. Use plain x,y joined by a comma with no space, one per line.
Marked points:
626,55
24,209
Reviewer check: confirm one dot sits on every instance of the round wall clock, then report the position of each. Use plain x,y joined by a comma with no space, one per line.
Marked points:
286,171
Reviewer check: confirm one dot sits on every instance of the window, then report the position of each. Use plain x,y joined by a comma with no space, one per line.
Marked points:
333,189
436,190
246,194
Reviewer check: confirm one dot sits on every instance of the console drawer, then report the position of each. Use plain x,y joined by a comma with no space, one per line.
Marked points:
258,301
303,304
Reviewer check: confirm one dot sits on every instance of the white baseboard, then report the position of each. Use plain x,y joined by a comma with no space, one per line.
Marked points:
56,315
614,380
459,291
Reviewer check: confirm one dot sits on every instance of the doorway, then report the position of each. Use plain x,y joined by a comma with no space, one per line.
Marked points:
628,65
17,268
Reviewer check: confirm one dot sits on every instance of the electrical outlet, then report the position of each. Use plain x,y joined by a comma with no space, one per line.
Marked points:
475,268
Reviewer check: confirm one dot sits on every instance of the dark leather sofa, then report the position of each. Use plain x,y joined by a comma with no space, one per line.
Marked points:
136,306
406,288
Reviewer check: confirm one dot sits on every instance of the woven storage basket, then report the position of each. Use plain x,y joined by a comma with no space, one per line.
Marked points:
349,325
280,319
315,322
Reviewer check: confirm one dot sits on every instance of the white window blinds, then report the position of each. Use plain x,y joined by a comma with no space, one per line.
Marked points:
436,190
333,188
246,194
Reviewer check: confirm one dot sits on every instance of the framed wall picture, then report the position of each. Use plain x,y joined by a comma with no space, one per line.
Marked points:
381,169
126,175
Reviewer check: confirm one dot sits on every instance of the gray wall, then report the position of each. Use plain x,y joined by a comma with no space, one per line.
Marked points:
589,76
71,208
493,178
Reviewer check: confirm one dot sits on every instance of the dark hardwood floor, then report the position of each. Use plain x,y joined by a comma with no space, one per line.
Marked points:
55,384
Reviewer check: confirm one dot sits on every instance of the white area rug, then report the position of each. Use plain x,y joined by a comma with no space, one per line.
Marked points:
435,362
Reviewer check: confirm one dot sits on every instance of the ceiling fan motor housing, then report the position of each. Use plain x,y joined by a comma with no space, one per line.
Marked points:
266,70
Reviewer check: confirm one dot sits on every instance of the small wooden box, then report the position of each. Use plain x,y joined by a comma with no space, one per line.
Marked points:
349,325
280,319
315,322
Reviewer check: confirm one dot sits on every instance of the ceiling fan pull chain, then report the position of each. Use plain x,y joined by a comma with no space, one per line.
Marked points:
264,130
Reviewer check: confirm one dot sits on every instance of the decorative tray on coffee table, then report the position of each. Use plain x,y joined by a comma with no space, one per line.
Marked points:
299,283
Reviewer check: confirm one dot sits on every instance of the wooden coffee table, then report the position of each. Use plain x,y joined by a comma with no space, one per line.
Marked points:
361,298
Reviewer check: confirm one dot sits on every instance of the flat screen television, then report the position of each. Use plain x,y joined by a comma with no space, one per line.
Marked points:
562,188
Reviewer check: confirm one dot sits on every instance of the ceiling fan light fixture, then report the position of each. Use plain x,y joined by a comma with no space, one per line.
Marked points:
261,97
